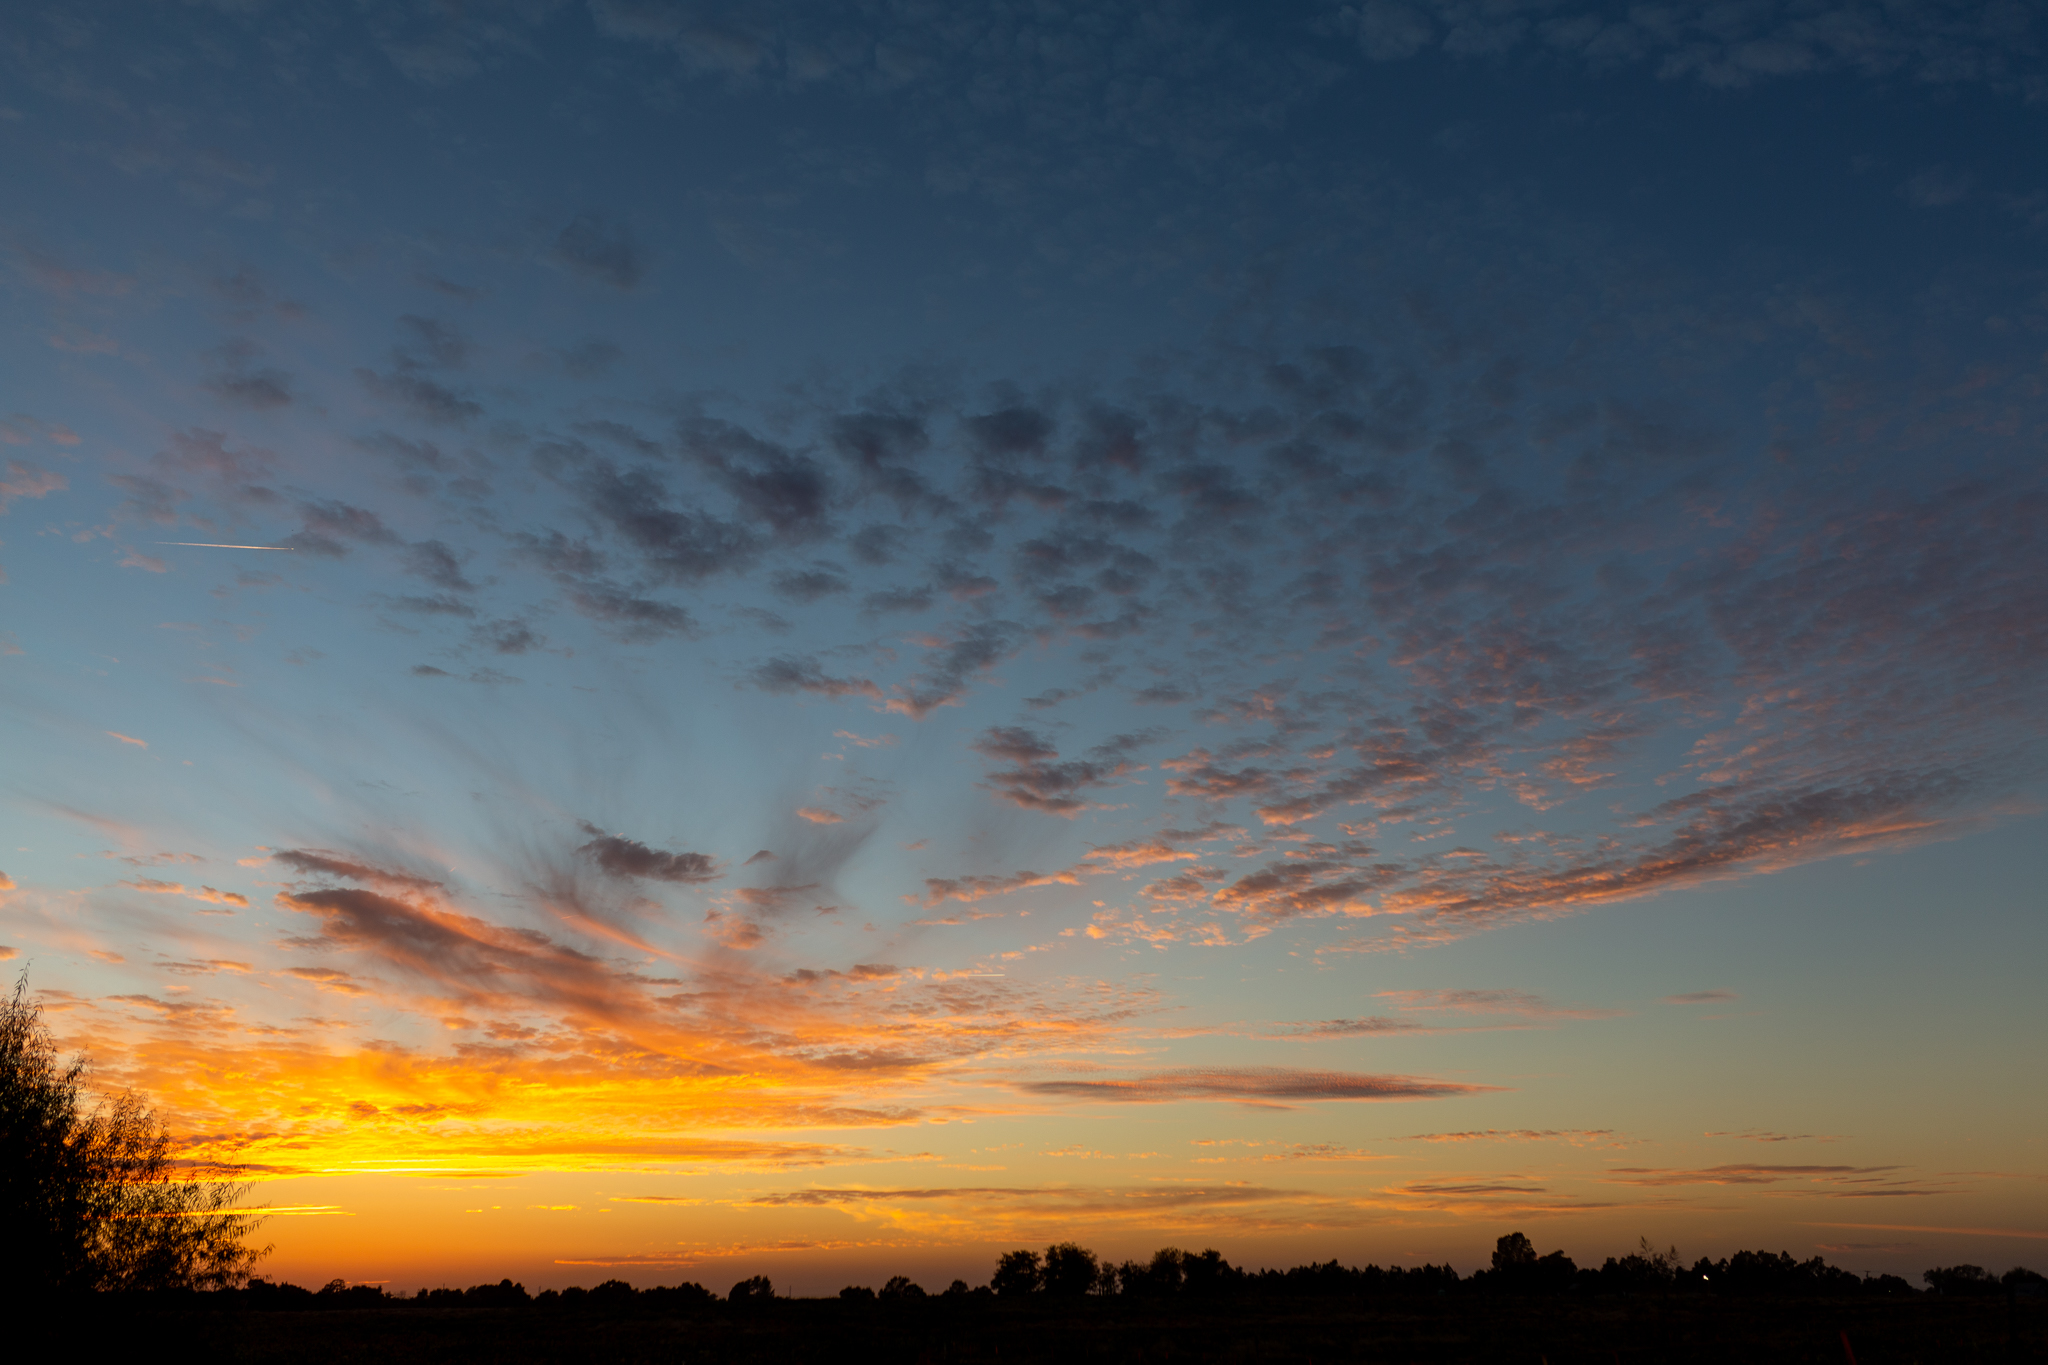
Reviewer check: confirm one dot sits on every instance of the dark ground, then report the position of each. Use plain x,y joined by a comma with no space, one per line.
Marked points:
1538,1332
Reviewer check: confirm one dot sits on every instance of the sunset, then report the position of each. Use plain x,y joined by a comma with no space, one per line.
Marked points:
677,642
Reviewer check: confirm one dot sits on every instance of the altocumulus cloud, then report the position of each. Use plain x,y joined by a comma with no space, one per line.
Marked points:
623,857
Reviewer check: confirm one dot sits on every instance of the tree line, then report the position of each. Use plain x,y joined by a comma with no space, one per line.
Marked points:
92,1200
1069,1273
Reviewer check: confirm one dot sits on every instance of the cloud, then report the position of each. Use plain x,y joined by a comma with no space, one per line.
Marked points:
974,888
1039,781
329,979
326,523
819,817
1700,997
622,857
807,586
797,673
126,739
1520,1003
238,381
600,249
952,665
28,481
1702,42
1254,1085
631,617
591,360
438,564
1347,1028
321,863
1862,1181
205,894
1603,1137
426,399
676,545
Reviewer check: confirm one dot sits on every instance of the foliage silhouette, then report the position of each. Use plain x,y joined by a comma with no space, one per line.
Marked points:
93,1200
900,1288
1017,1275
1069,1271
754,1291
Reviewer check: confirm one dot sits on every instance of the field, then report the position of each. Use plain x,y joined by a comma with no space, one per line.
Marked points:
1539,1332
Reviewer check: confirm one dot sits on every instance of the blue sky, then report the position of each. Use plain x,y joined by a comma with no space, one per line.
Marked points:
855,633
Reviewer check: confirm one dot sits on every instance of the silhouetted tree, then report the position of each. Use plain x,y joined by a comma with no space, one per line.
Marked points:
503,1294
1158,1278
1069,1270
1513,1252
900,1287
1016,1274
1962,1281
857,1293
1517,1269
341,1294
754,1291
1644,1270
612,1294
1207,1273
957,1289
93,1200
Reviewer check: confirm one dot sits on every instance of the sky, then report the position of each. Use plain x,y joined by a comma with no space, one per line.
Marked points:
858,634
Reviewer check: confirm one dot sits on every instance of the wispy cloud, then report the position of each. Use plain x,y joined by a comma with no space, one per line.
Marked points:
1264,1085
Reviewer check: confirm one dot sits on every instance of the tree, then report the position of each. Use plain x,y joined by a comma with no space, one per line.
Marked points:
753,1292
1513,1252
1016,1274
1069,1271
93,1200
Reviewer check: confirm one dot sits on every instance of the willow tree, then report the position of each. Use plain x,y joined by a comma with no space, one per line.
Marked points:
92,1198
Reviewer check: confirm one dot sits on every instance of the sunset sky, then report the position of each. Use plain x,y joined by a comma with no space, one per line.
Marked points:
685,640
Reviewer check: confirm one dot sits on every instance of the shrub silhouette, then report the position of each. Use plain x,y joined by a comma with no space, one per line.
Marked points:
857,1293
93,1200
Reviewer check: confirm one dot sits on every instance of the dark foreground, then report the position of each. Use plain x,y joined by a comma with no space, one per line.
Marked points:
1498,1332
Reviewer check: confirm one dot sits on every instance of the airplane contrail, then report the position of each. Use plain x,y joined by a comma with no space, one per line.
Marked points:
209,545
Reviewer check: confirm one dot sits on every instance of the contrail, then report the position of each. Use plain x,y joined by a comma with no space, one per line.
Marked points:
209,545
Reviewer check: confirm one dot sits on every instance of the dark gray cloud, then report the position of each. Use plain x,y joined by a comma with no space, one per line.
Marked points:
326,524
797,673
591,360
600,249
628,615
808,585
237,378
423,398
682,545
1039,780
436,562
1263,1086
623,857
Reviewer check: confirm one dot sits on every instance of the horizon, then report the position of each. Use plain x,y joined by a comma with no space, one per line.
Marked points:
677,641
